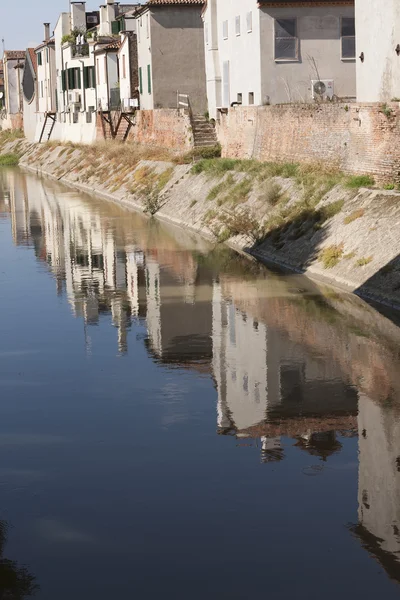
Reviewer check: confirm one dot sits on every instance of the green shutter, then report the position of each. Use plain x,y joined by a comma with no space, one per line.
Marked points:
71,79
115,28
63,81
140,80
93,69
86,77
39,59
78,82
148,79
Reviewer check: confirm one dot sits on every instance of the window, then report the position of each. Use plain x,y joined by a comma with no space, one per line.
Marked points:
148,79
140,80
47,55
240,98
123,66
225,30
249,22
251,97
89,77
74,78
348,38
39,59
286,43
237,25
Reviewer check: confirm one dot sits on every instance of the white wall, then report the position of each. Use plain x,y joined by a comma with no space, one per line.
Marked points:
46,80
318,31
144,58
242,52
378,33
213,68
125,82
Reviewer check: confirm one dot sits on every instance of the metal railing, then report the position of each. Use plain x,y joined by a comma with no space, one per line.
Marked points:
79,50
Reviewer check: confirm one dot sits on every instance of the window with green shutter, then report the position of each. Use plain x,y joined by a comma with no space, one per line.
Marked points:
78,82
148,79
86,77
140,80
71,79
63,80
115,27
39,59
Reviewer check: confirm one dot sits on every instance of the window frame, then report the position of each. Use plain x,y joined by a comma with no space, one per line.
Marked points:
342,37
295,37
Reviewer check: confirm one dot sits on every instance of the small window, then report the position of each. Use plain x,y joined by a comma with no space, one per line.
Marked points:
225,30
237,25
240,98
249,22
39,59
348,38
286,43
251,97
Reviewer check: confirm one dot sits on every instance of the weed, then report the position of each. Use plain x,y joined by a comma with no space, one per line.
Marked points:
357,181
10,135
193,203
329,211
244,222
221,187
349,256
214,166
364,261
389,186
346,108
224,235
239,192
386,110
331,255
209,216
395,99
356,214
272,193
9,160
151,204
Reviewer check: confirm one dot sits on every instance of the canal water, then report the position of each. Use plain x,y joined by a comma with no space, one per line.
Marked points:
179,422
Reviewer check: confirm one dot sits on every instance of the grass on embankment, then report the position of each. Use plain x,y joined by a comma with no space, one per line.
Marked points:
9,160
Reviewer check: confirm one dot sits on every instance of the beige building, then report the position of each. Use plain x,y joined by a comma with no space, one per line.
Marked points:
171,54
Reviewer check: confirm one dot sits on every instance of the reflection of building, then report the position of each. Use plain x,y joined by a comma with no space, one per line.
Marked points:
379,483
269,386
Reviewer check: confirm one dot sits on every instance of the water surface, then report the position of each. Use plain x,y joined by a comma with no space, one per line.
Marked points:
179,422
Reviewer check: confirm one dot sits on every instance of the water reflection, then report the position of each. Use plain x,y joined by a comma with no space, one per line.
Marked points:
288,362
16,582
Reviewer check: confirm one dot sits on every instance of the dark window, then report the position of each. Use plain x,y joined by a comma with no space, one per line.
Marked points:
286,43
348,37
74,78
115,27
140,80
148,79
39,59
240,98
251,97
89,77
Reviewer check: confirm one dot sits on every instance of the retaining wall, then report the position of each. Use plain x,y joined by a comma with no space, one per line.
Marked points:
358,138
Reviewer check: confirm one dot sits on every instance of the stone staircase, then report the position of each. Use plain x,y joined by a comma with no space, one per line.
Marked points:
204,133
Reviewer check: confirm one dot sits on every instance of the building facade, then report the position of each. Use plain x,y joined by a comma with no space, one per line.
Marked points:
278,52
171,57
13,64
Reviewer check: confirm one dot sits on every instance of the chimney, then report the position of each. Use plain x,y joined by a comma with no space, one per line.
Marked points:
46,32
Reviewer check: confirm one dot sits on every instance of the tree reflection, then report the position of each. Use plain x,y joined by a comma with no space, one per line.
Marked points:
16,582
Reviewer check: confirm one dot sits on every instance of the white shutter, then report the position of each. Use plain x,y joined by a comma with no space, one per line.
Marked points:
226,83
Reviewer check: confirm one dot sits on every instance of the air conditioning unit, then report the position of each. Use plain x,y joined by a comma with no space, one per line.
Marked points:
321,89
76,97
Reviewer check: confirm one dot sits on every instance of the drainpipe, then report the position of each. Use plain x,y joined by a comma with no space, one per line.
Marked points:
83,86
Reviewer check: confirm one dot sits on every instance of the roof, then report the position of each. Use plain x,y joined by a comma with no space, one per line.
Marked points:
151,3
113,46
49,42
33,58
303,2
14,54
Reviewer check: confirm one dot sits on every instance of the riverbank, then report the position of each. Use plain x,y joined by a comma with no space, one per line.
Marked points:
336,228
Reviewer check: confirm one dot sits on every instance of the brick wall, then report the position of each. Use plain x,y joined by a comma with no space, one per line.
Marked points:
358,138
169,128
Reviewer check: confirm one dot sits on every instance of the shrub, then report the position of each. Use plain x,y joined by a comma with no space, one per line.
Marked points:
349,256
330,210
364,261
357,181
356,214
272,193
244,222
331,255
9,160
389,186
221,187
214,166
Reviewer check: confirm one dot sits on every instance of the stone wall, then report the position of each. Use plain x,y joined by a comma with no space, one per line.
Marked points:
358,138
169,128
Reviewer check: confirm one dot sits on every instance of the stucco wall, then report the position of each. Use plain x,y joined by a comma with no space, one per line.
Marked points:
177,45
378,33
358,138
46,74
145,58
167,128
318,30
12,84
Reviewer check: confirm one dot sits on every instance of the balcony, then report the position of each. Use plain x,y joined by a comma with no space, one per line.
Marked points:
79,50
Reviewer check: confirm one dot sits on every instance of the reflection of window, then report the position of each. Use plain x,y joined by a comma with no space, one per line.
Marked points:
286,43
225,30
348,37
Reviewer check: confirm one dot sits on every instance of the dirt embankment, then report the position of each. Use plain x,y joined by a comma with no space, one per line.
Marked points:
333,227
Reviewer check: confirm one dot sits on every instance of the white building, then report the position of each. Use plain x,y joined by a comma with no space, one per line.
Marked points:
13,64
378,50
275,52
